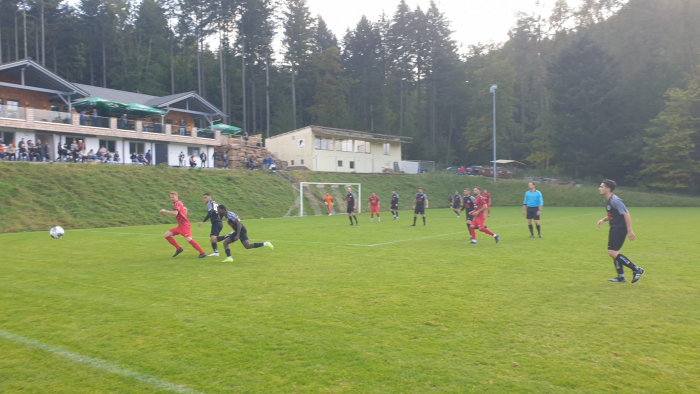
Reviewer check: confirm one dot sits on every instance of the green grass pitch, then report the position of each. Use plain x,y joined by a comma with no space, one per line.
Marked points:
378,308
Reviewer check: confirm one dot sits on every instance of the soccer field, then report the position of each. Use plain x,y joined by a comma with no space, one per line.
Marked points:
378,308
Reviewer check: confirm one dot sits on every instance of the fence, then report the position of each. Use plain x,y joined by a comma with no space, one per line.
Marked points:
42,115
12,112
417,166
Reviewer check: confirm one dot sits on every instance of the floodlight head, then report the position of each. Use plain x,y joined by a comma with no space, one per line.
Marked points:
493,88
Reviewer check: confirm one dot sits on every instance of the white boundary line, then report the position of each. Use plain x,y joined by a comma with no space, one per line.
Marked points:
99,364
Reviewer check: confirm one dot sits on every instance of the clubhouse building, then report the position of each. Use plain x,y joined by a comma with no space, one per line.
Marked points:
36,104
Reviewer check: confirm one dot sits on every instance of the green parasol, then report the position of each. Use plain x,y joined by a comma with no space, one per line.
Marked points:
226,129
100,104
142,111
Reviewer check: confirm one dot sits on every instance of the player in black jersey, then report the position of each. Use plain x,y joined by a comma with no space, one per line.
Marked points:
394,205
350,200
468,205
239,233
216,225
456,202
420,204
620,226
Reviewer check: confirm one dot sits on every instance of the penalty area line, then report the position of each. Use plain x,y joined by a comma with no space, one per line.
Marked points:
99,364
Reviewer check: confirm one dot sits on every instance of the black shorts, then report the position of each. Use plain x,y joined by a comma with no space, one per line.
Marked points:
394,207
351,209
419,210
616,238
470,218
243,237
456,206
216,228
532,213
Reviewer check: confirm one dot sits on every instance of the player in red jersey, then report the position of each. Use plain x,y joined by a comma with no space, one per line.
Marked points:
183,226
480,216
487,197
373,206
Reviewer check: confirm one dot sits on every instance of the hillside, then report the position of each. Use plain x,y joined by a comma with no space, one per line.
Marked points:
36,197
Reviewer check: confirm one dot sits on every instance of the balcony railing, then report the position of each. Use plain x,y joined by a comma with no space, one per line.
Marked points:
127,124
42,115
13,112
205,134
151,127
95,121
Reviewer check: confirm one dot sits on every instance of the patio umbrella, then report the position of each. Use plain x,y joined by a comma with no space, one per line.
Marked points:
100,104
226,129
141,111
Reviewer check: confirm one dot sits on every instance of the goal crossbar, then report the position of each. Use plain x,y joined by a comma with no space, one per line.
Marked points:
301,193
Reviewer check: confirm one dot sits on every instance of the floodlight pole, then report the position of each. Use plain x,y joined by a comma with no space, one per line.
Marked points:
493,90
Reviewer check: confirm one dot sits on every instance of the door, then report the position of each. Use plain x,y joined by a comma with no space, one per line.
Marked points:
162,154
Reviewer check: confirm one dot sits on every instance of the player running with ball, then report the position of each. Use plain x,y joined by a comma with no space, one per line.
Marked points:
239,232
480,216
183,226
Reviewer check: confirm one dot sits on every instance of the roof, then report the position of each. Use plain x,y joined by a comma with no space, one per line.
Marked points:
351,134
39,77
115,95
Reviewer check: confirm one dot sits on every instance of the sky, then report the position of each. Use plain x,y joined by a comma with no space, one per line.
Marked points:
472,21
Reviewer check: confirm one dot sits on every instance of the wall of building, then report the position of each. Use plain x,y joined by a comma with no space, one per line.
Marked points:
26,98
373,162
286,148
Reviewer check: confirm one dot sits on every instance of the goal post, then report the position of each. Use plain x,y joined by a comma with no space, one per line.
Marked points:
358,205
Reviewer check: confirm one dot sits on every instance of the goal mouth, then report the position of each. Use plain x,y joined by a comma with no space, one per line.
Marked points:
311,199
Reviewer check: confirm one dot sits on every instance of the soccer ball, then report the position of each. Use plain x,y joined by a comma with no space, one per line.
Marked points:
57,232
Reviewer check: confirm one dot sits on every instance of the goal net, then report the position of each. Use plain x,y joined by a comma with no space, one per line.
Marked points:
310,200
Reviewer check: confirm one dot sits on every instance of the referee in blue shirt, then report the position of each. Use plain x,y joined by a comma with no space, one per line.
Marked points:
532,207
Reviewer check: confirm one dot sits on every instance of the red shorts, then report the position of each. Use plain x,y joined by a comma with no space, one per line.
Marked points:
478,222
375,210
184,231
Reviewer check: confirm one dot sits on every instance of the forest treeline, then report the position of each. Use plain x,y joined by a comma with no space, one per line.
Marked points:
606,88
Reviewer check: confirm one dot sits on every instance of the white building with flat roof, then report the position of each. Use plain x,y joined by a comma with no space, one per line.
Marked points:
337,150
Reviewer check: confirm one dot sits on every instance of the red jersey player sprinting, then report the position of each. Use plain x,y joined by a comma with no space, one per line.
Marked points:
487,198
183,226
374,206
479,214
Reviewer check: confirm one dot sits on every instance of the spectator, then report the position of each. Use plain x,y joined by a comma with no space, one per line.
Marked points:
224,159
11,151
123,122
95,118
60,150
148,157
182,159
107,158
22,146
91,155
142,160
254,166
264,164
30,150
83,153
463,170
102,151
2,150
270,163
46,152
215,156
193,163
117,157
83,118
247,163
134,158
203,157
273,166
182,127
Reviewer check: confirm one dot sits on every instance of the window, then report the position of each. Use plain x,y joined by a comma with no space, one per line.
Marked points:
340,163
55,108
7,137
359,147
352,164
193,151
302,162
136,147
387,149
292,162
12,108
368,146
343,145
323,143
109,145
